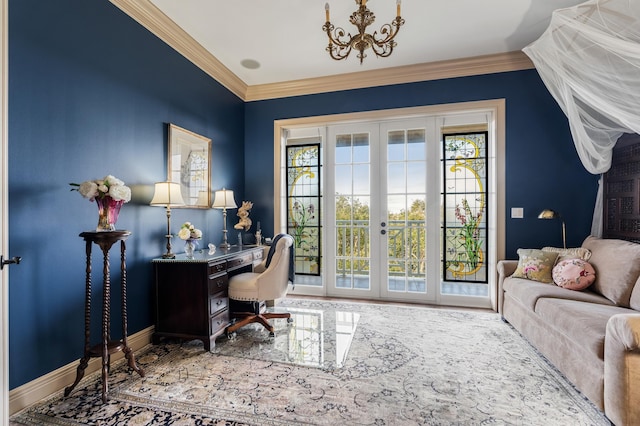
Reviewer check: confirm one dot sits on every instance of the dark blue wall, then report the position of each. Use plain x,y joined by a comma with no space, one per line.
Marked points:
542,167
90,93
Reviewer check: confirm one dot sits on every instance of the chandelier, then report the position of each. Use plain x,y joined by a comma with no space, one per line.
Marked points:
340,45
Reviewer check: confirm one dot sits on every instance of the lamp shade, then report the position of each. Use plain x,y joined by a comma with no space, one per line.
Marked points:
203,199
549,214
224,200
167,194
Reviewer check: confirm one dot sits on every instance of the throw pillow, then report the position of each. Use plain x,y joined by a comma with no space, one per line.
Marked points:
574,274
536,265
570,253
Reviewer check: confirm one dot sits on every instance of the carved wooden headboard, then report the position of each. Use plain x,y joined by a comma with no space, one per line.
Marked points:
621,191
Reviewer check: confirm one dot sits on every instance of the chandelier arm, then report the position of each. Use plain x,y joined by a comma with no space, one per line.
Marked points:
338,34
385,50
390,31
338,53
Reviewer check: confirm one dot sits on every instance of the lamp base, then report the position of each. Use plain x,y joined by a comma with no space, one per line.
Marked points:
168,254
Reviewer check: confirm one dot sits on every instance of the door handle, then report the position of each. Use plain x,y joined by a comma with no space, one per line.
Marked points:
14,259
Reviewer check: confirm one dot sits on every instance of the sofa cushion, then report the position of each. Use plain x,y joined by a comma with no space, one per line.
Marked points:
573,274
634,303
617,265
528,292
569,253
536,265
584,324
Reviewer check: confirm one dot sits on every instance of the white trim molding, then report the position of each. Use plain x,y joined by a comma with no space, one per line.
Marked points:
4,211
44,386
152,18
479,65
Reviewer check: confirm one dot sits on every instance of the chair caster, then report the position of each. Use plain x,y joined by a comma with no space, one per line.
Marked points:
272,334
229,335
289,320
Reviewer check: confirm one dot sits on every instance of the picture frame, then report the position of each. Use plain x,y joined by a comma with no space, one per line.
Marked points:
189,164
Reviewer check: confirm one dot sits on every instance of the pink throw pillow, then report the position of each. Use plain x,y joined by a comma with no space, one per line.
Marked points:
574,274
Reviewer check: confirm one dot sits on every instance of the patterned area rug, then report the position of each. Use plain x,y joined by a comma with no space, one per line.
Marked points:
405,366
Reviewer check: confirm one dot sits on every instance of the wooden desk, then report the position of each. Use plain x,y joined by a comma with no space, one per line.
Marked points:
107,346
191,295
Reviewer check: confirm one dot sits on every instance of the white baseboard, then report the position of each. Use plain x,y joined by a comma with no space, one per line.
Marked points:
32,392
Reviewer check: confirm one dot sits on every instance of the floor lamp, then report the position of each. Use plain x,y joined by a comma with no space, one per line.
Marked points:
224,200
552,214
167,194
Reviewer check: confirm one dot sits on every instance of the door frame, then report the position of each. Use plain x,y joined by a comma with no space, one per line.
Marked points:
498,108
4,203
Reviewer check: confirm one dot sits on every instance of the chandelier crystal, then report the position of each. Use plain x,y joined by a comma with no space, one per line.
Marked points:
341,43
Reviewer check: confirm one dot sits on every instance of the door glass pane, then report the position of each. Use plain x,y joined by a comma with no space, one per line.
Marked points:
303,207
352,204
360,179
395,145
406,210
396,178
465,210
416,148
343,179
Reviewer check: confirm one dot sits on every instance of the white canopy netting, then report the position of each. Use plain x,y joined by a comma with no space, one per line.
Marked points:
589,59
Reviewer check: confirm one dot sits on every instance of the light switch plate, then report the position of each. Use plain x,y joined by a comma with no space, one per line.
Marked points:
517,212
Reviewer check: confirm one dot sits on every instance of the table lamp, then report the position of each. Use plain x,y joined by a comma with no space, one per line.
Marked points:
167,194
203,199
224,200
552,214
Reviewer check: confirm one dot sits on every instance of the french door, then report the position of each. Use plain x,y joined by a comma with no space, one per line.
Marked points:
412,202
377,228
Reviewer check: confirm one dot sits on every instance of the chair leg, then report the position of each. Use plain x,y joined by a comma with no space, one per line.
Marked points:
241,323
276,315
261,318
265,322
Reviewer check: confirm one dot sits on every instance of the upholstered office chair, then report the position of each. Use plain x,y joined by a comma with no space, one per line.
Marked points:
269,281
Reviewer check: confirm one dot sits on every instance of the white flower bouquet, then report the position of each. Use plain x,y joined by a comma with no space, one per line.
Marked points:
110,186
109,194
189,232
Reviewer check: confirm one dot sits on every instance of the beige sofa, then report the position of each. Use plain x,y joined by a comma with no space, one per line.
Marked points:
591,336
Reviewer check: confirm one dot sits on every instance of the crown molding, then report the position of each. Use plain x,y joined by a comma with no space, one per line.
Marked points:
487,64
152,18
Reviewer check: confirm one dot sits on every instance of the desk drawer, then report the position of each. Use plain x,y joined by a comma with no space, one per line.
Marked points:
218,284
245,259
219,322
218,303
217,267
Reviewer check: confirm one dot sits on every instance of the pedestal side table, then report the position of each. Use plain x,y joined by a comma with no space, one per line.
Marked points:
107,346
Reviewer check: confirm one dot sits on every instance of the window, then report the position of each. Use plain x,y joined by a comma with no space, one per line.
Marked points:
464,200
304,206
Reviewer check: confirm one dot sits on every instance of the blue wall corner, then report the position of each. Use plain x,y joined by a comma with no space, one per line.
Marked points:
90,94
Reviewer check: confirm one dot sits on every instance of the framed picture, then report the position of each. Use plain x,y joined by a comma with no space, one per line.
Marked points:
189,164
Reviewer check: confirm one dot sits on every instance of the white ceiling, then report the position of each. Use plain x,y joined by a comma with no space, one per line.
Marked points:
285,36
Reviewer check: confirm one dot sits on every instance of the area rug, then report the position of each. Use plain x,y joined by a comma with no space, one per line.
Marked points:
405,366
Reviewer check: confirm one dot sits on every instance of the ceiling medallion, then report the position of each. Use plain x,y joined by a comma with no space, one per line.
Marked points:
382,44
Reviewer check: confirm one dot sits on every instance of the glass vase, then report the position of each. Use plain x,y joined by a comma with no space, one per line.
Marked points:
189,248
108,211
